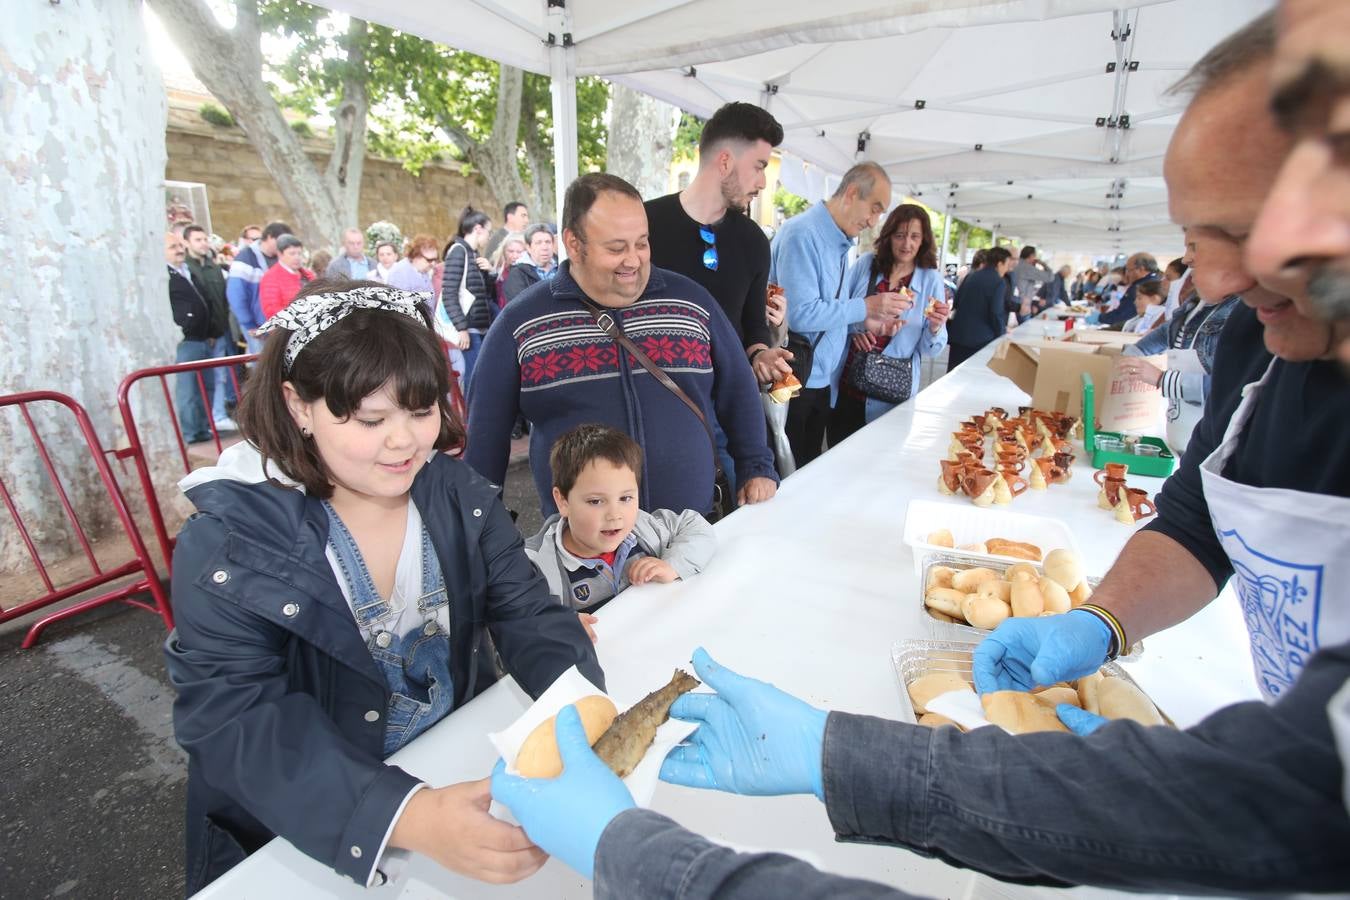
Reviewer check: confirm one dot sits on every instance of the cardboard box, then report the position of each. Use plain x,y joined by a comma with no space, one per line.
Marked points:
1051,371
1106,338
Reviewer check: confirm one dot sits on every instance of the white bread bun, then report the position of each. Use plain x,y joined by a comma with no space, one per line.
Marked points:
539,756
984,611
924,688
1065,567
968,580
1027,599
945,600
1121,700
1055,597
942,538
1019,713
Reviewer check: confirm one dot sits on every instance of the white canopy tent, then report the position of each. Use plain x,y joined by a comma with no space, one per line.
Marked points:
1045,119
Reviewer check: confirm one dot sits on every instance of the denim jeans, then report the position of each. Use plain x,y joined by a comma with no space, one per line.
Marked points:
224,386
188,399
415,664
470,357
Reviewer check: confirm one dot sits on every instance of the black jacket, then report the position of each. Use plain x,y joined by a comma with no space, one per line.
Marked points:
518,278
190,310
978,312
276,688
481,284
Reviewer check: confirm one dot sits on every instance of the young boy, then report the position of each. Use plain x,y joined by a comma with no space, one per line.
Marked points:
601,542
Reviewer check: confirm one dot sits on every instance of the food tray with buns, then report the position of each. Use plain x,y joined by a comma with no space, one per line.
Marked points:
913,659
973,525
961,562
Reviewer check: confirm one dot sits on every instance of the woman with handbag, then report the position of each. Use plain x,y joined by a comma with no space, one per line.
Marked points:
468,285
881,372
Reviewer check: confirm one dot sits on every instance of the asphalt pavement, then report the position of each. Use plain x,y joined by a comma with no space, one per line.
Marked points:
93,784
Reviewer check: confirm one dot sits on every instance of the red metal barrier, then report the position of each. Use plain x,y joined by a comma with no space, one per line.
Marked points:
135,449
149,582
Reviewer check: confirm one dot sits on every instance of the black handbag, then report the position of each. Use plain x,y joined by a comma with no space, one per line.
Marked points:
804,351
881,377
723,500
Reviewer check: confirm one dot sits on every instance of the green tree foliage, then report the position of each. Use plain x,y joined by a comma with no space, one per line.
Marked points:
789,203
215,114
687,135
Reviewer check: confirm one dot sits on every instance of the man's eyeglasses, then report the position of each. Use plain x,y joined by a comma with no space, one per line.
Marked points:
431,259
710,254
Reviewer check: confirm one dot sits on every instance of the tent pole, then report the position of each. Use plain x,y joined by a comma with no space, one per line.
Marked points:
946,232
562,70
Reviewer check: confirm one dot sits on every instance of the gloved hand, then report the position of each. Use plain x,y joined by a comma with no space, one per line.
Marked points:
752,738
1079,721
1024,654
566,815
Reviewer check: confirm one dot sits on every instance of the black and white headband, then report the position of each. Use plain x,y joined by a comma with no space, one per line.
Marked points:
309,317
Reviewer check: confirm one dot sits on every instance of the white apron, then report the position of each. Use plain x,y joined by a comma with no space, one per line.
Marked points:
1290,552
1182,417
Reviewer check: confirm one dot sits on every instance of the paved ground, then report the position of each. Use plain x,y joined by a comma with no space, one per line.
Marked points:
92,791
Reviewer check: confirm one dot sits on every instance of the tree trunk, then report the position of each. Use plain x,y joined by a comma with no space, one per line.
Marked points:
347,164
964,243
495,157
84,286
641,140
229,63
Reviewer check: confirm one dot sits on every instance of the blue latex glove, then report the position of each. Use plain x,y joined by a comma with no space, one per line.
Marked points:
1079,721
752,738
1024,654
566,815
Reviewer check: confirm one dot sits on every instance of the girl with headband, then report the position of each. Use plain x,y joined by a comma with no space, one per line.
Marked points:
334,597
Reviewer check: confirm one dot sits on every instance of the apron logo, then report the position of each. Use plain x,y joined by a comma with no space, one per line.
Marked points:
1281,603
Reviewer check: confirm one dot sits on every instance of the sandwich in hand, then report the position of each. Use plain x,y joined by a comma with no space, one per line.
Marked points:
785,388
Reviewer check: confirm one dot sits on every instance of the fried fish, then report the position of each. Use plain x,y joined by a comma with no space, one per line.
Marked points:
625,742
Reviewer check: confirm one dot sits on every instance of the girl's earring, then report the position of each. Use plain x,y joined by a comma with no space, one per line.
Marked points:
305,431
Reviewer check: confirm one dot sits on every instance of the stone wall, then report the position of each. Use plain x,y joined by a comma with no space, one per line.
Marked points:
240,191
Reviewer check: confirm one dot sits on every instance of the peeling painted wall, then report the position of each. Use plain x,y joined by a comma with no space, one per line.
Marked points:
83,288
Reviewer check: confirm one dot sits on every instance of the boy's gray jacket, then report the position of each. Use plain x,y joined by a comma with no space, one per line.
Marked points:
684,540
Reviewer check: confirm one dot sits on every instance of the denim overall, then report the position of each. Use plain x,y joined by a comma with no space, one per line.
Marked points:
416,666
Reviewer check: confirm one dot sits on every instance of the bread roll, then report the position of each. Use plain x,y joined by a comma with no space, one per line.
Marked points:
1027,599
977,547
1079,595
1065,567
1015,549
926,687
934,720
984,611
943,617
940,576
539,756
1088,696
945,600
942,538
1019,713
1022,572
1055,597
1119,699
1053,696
998,590
968,580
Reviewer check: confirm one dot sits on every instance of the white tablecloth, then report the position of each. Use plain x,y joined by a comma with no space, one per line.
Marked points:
809,592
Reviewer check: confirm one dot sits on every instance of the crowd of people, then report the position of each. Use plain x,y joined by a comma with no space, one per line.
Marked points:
347,584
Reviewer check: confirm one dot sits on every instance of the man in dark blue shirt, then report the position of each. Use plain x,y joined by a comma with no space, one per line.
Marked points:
1138,268
980,312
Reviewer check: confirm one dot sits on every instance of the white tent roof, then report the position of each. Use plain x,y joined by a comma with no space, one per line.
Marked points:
956,98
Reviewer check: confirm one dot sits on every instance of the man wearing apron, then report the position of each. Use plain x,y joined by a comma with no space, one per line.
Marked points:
1262,494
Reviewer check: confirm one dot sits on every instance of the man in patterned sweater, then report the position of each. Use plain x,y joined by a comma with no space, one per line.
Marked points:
546,358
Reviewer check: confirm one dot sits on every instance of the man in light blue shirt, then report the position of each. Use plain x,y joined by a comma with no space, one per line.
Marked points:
809,258
352,262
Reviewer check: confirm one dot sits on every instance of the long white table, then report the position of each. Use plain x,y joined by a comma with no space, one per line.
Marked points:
809,592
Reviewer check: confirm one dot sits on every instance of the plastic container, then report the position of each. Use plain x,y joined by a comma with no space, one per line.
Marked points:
1157,461
913,659
960,561
970,524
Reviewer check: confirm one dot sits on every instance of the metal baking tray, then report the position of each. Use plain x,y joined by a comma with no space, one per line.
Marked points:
915,658
956,560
